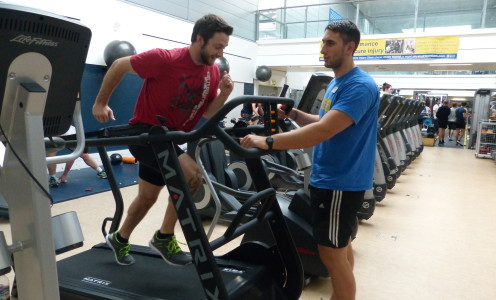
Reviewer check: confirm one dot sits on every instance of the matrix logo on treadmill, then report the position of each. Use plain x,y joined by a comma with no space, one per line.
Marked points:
96,281
29,40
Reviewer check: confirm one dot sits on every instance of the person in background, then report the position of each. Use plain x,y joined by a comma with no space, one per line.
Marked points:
435,121
427,111
435,107
387,88
258,112
461,122
250,112
247,111
344,136
179,85
452,121
442,115
54,182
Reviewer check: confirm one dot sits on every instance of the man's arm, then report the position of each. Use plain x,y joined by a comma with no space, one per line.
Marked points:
331,124
300,117
226,86
101,110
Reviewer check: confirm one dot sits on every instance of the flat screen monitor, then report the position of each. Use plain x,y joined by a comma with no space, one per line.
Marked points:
314,93
64,42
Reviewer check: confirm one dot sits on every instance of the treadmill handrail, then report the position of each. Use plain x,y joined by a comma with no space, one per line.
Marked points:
209,128
80,139
215,197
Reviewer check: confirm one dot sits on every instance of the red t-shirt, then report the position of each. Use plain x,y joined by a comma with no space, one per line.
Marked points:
174,87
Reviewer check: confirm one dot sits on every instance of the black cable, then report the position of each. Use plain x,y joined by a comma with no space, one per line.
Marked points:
26,168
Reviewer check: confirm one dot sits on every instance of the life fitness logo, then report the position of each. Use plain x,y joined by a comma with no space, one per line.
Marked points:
29,40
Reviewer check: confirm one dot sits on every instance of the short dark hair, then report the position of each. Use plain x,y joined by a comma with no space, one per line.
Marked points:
385,86
208,25
347,30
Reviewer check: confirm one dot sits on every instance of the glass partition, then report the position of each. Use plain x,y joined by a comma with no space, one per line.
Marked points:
270,24
490,15
307,19
383,17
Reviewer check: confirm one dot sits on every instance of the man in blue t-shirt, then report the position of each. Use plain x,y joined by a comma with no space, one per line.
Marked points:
344,139
461,122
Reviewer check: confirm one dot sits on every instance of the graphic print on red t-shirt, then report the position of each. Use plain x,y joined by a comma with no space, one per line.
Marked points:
187,99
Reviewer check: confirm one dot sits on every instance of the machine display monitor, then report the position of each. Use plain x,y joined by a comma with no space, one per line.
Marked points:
62,41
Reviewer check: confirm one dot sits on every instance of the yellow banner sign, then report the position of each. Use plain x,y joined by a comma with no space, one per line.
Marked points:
409,48
439,47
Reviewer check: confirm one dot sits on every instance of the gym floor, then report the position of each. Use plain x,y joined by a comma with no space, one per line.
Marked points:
432,237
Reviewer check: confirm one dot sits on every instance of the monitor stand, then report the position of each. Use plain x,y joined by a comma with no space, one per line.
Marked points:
22,186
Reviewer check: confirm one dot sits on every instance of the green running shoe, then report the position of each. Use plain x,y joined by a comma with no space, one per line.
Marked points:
121,251
170,251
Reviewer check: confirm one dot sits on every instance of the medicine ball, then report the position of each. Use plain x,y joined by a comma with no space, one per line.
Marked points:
263,73
116,159
117,49
223,64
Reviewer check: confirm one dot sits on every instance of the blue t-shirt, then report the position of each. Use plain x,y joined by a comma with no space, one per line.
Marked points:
459,114
346,161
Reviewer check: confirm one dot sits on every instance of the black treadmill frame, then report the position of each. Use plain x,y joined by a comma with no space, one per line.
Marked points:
201,249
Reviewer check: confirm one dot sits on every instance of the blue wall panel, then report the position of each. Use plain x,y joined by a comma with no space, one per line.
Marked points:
122,100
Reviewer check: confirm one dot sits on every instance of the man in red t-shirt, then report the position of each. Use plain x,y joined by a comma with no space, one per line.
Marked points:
181,86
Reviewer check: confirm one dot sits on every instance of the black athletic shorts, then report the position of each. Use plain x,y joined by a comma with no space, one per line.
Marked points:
85,150
71,138
443,124
460,125
334,215
452,125
148,167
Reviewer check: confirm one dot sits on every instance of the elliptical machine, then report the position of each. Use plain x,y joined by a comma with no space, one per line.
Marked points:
295,205
282,167
384,175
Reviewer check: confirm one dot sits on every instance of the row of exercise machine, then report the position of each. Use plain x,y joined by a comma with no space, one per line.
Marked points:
399,142
274,265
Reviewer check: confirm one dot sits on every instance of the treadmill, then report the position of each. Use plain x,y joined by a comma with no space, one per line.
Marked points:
253,270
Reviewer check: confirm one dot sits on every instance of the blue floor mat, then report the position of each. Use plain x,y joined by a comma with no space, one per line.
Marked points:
84,182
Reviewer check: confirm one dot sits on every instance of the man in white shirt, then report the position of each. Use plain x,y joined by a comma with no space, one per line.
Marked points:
435,108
